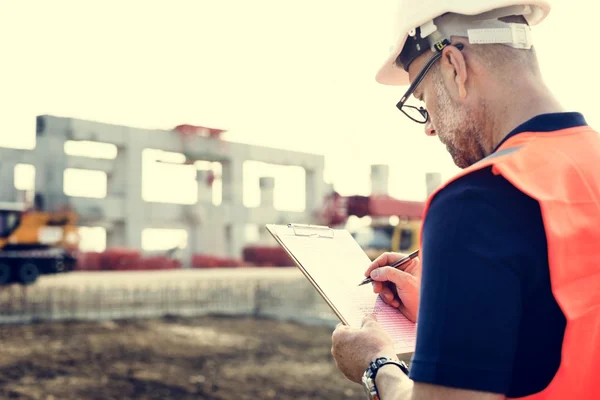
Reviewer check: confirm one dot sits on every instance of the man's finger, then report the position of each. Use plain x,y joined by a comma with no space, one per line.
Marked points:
387,295
377,287
396,276
386,259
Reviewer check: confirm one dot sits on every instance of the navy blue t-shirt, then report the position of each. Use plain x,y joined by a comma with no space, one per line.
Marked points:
487,317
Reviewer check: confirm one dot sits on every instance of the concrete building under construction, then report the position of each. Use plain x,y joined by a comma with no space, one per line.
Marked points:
121,210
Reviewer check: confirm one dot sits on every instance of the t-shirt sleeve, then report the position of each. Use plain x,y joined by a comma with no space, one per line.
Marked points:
470,306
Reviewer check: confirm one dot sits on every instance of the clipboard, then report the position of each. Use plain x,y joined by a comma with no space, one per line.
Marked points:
334,263
314,231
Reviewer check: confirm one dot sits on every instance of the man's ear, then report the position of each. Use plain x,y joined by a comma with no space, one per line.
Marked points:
454,71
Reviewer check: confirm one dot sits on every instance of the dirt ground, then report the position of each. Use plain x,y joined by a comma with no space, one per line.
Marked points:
171,358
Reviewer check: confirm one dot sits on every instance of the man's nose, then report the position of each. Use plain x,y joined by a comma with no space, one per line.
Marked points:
429,130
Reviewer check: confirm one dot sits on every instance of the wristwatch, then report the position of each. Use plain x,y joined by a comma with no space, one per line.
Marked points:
368,378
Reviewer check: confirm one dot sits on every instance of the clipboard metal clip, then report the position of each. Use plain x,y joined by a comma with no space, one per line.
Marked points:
312,230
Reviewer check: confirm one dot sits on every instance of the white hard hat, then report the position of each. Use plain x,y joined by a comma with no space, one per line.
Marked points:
430,23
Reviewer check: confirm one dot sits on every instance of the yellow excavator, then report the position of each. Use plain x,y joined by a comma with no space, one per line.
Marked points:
34,243
378,238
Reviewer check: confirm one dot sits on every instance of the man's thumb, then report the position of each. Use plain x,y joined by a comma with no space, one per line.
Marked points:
396,276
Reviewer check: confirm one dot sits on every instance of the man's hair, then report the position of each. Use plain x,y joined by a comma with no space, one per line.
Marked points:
515,19
501,57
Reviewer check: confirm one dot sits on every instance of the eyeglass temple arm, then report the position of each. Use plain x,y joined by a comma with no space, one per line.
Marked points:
422,74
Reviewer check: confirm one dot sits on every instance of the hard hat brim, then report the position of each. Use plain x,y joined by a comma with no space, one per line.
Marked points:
390,73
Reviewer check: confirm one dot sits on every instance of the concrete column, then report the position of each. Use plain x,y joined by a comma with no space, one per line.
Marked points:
201,229
9,193
116,186
316,190
233,191
380,179
205,190
125,182
215,241
51,162
134,203
433,180
208,235
193,242
267,186
116,236
233,181
236,239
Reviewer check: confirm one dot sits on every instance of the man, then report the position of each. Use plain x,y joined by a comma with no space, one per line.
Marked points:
508,300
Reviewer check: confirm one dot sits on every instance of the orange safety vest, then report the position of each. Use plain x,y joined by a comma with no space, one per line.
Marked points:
561,170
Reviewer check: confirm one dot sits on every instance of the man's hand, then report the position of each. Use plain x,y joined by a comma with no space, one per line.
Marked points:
397,287
353,349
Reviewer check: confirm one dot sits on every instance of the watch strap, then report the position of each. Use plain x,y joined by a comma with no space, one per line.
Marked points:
371,372
374,366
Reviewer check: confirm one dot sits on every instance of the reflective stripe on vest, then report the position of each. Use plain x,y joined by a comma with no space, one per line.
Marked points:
561,170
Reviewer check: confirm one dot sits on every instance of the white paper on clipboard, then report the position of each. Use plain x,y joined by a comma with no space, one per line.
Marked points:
334,263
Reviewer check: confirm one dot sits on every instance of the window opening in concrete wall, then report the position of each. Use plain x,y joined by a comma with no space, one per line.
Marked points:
217,185
85,183
289,193
92,238
85,148
24,177
164,239
24,180
290,188
165,179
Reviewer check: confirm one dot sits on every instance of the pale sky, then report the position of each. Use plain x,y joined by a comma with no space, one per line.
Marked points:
289,74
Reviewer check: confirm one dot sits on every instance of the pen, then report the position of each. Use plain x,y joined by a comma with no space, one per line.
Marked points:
397,264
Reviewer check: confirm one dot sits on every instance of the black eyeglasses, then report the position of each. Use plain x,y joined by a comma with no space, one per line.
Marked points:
419,114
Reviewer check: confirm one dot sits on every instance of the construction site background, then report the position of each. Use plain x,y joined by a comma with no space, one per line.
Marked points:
170,133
